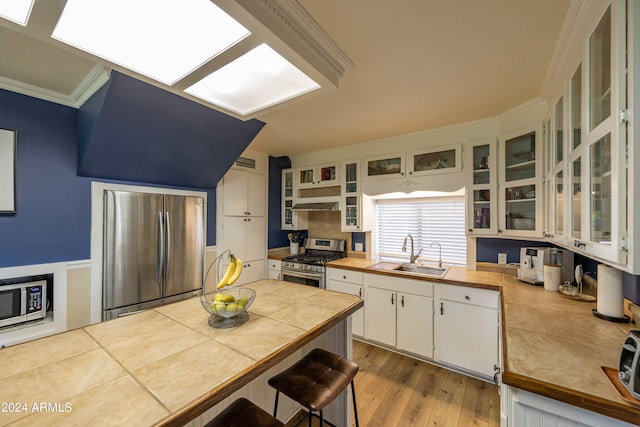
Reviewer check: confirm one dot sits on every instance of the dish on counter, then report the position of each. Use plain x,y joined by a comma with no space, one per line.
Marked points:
566,290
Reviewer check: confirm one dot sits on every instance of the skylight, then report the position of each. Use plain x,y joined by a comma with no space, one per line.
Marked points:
258,79
161,39
16,10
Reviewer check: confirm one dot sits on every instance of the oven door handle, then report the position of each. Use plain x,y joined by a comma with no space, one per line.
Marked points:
299,273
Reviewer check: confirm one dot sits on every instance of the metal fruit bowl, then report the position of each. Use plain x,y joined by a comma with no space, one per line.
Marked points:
228,303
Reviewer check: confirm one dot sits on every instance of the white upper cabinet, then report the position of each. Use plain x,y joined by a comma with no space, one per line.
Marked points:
435,160
482,185
520,183
319,175
291,220
587,174
356,208
384,167
245,193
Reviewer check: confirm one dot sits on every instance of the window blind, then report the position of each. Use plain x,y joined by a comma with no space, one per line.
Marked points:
428,220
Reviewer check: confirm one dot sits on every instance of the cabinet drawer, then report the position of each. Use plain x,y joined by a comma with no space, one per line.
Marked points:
468,295
273,264
400,284
345,275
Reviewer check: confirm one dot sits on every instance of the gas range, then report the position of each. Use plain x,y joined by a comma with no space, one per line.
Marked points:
309,268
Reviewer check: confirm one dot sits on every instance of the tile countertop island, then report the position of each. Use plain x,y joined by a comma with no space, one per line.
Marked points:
552,345
164,366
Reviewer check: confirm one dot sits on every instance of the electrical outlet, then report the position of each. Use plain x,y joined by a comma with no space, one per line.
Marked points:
359,247
502,258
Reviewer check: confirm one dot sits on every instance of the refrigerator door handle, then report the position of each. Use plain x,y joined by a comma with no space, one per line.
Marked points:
160,250
167,251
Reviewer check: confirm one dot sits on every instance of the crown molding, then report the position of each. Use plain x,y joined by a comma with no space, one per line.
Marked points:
288,20
93,81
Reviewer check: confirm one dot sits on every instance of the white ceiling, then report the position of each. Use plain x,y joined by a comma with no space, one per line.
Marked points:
419,64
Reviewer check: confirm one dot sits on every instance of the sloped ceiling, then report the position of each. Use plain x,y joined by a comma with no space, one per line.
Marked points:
133,131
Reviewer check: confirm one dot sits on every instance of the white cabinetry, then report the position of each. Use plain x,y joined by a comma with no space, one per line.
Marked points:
291,220
431,161
348,282
482,176
356,207
244,193
241,215
467,329
520,183
532,410
381,318
319,175
588,176
273,269
399,313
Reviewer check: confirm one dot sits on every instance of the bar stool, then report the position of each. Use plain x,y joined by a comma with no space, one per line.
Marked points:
315,381
243,413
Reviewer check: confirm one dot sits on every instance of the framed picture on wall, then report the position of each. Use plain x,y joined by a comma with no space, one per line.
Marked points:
7,171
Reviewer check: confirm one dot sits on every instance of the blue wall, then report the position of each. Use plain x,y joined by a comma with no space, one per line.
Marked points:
52,222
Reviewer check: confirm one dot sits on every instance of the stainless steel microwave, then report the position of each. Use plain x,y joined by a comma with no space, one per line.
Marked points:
22,302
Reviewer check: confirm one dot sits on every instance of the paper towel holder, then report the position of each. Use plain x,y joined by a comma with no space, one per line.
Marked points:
624,319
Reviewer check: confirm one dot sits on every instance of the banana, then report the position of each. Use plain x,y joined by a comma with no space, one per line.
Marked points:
228,273
236,272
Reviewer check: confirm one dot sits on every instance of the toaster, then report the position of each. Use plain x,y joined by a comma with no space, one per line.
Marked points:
629,370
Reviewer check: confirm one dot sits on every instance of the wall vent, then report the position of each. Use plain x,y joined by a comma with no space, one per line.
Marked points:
245,162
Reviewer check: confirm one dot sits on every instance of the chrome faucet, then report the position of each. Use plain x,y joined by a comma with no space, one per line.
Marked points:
440,253
413,256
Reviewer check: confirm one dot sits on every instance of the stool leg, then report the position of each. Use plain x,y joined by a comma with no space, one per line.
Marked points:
310,417
321,418
275,407
355,409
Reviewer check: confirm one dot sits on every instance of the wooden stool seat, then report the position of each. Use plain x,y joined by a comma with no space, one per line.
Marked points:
316,380
243,413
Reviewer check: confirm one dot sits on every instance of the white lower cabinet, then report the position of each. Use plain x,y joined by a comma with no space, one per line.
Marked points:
348,282
532,410
467,329
273,269
415,310
381,316
399,313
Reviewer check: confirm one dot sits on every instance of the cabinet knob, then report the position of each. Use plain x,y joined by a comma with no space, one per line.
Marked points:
344,277
467,297
402,300
391,299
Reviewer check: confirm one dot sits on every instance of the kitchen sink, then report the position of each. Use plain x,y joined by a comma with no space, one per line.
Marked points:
425,270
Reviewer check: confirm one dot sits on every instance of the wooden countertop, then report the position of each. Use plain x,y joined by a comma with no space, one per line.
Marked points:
552,345
164,366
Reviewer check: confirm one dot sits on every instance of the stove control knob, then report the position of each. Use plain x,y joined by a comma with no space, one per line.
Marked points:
624,376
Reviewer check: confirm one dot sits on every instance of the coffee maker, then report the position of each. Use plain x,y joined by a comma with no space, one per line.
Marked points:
533,259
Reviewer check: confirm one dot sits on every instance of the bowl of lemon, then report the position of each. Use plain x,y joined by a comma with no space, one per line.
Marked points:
228,307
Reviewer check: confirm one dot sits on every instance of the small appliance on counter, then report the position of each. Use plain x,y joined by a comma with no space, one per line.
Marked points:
629,369
532,261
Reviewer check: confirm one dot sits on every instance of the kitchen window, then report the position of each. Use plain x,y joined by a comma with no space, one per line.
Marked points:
428,220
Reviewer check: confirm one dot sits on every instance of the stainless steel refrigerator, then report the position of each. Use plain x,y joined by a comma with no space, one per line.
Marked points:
153,250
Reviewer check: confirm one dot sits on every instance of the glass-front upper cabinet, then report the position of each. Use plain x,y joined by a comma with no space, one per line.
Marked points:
356,208
520,183
290,220
435,160
384,167
555,175
320,175
603,230
482,201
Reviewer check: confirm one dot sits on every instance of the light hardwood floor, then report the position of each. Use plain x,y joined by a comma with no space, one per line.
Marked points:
396,390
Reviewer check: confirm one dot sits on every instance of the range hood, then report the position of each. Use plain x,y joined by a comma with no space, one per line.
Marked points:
316,206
